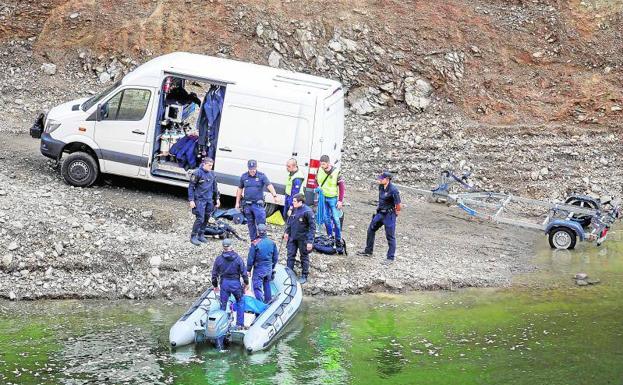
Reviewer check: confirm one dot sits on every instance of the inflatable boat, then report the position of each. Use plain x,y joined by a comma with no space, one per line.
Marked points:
205,322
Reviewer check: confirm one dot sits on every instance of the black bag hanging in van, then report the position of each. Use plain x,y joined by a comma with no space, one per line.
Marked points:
327,245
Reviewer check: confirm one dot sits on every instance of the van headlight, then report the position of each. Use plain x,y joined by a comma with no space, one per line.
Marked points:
51,125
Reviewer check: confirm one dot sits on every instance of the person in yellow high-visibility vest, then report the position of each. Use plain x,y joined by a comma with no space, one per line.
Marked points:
294,185
331,184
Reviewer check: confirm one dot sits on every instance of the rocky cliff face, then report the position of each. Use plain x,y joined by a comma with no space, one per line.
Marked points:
500,62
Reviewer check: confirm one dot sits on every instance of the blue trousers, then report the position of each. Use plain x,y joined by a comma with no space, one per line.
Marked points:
301,246
332,218
261,283
389,221
229,287
255,214
203,210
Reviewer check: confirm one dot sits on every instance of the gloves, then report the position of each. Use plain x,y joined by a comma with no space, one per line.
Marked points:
272,276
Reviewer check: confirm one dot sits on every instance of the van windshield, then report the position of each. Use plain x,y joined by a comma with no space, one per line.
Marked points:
96,98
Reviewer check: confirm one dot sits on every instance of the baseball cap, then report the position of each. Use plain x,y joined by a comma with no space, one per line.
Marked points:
226,242
385,174
207,159
251,164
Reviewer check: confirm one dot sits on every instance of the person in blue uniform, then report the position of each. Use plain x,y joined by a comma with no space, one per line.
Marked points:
203,197
263,257
250,193
227,271
386,213
299,234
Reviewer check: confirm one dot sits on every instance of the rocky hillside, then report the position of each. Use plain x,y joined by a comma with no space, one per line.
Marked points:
424,78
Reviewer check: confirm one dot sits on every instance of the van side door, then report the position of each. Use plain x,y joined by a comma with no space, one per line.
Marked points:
121,129
266,127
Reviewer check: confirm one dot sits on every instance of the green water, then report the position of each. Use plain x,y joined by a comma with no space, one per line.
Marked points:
545,330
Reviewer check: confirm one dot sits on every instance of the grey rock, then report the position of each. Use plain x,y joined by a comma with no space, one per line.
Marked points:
274,59
88,227
359,102
74,15
581,282
581,276
259,30
417,94
12,296
6,260
13,246
49,68
104,77
155,261
2,193
147,214
335,46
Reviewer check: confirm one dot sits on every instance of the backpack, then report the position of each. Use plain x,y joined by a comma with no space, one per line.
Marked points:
325,245
221,230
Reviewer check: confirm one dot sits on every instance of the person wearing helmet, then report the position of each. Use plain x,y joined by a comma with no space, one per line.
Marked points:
203,197
227,271
263,257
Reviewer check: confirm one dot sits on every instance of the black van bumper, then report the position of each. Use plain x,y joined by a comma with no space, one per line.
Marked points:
51,147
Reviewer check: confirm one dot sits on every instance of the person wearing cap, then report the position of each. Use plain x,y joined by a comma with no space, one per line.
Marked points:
251,192
227,271
263,257
299,235
203,197
331,185
294,185
386,213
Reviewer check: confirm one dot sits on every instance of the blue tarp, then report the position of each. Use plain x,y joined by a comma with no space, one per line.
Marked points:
252,305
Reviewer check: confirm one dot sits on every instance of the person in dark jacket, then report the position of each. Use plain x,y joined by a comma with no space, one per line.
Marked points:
386,214
228,269
263,257
203,197
299,234
251,192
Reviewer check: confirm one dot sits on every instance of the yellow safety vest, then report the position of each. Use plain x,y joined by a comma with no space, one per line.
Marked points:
290,178
329,188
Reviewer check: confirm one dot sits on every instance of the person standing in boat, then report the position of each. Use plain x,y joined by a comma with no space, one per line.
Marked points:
227,272
263,257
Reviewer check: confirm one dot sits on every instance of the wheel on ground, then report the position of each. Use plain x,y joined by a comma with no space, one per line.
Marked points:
79,169
271,208
562,238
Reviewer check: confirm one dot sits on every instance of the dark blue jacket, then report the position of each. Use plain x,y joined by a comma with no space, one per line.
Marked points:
253,186
228,265
301,225
263,254
388,198
203,186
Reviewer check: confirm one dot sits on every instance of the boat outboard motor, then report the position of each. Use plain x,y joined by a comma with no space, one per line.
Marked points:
215,329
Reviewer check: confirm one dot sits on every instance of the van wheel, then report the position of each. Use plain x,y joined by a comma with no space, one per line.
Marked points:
79,169
562,238
270,209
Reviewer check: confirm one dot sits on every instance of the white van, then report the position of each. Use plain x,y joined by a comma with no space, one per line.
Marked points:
131,128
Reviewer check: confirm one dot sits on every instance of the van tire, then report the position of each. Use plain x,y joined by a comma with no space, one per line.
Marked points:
79,169
270,209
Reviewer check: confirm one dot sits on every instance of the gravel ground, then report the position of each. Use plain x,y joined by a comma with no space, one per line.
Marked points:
128,239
